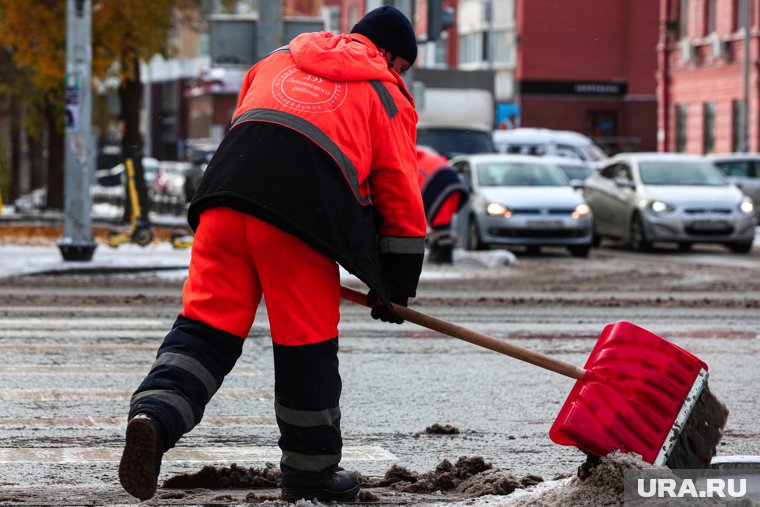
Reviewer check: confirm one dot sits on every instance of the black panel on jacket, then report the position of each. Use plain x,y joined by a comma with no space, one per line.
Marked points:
280,176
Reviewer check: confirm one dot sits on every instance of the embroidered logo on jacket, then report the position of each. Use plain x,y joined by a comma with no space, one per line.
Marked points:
302,91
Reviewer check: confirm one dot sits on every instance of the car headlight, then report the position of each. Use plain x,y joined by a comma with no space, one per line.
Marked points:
580,211
746,206
659,206
495,209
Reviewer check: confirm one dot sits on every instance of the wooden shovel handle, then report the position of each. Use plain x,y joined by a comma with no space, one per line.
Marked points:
468,335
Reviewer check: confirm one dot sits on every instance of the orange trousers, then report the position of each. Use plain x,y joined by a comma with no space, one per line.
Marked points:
237,258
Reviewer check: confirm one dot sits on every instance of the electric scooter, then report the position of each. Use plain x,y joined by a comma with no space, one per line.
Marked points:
139,232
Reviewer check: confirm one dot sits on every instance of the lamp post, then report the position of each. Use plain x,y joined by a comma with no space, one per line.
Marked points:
77,243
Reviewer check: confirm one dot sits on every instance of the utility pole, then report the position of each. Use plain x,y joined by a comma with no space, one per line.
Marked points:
77,243
744,117
270,30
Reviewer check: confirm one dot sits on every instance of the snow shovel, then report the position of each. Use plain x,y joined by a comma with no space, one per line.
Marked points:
637,393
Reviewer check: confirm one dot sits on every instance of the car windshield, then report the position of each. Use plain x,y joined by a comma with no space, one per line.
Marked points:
680,173
452,142
526,174
575,172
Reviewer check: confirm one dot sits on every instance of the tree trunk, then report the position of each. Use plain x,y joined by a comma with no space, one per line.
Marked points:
55,157
14,112
130,95
36,159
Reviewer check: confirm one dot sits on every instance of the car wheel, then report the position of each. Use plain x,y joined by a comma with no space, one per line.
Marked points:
743,247
638,241
473,236
596,239
579,250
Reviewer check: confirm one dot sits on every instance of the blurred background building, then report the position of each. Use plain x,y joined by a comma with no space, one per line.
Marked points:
708,76
634,75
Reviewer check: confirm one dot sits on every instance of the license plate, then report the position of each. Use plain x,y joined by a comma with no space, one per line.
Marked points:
709,225
544,224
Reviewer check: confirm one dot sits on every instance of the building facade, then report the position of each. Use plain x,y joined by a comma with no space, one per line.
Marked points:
589,67
708,76
586,66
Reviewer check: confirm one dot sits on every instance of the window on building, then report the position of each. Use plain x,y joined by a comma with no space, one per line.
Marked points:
353,16
681,117
441,50
708,127
332,15
737,143
683,25
739,14
710,17
503,51
471,48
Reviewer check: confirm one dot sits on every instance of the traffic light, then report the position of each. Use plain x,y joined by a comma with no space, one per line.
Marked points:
440,18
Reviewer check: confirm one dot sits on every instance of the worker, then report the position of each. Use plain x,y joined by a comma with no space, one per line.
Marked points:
443,194
317,169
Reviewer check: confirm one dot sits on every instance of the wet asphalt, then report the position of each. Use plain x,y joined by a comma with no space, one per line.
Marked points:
74,348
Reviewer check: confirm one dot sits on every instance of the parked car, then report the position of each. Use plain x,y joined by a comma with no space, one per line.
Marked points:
743,169
540,142
520,200
170,178
200,154
645,198
117,175
576,171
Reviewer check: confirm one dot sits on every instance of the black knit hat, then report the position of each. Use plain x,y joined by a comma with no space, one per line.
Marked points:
389,29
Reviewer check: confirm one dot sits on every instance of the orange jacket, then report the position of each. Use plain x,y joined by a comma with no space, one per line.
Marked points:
342,86
322,146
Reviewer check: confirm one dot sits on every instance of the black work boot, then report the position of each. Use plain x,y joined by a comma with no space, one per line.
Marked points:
141,460
340,486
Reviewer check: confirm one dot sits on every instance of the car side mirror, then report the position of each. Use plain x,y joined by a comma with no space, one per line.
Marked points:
577,184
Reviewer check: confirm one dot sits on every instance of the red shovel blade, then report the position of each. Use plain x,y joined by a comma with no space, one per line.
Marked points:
630,397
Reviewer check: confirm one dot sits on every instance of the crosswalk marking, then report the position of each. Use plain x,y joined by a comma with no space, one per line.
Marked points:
83,334
178,454
79,323
120,422
95,369
60,355
100,394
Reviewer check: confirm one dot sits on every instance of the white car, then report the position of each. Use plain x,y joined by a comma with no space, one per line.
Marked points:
743,169
541,142
645,198
521,200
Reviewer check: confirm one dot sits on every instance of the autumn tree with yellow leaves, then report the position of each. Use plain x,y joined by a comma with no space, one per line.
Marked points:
33,61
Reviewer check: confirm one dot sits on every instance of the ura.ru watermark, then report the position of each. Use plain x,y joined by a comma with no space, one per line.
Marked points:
713,487
661,487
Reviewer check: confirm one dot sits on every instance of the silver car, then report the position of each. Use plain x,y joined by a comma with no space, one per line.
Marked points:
645,198
743,169
521,200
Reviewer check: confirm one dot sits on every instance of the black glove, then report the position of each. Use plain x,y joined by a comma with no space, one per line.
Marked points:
382,312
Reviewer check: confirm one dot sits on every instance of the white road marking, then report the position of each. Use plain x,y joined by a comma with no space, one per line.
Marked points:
89,369
77,323
117,394
121,422
178,454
